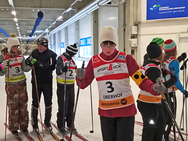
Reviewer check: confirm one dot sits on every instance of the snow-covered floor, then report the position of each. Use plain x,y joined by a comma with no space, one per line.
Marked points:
83,114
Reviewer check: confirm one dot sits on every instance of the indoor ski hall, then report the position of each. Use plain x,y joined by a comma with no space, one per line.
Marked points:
134,31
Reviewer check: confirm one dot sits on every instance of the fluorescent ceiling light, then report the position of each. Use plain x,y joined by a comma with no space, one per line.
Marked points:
69,9
89,9
15,19
14,12
11,3
60,17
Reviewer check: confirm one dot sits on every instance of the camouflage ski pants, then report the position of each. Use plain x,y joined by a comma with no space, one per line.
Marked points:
17,99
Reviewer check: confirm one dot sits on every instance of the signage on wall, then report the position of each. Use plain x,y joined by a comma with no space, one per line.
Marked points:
62,45
164,9
85,41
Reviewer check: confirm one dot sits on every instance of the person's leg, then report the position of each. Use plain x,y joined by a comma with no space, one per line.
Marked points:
47,91
125,128
70,104
12,103
150,116
23,118
108,128
168,118
34,109
60,101
160,124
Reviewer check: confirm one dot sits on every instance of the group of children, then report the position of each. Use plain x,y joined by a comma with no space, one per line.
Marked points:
156,119
112,70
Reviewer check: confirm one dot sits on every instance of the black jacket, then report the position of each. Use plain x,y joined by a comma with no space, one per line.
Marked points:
153,73
44,66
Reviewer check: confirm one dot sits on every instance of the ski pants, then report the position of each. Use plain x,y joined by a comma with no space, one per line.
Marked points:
117,129
153,121
17,99
47,93
173,104
70,94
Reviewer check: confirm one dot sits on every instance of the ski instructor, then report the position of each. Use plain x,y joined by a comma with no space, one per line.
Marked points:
112,70
46,61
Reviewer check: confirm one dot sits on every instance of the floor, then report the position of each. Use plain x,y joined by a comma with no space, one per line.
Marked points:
83,121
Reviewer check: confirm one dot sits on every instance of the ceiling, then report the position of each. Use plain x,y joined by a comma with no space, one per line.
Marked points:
26,14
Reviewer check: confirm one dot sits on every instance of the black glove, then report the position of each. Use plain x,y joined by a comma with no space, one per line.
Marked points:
173,78
30,61
186,94
39,64
164,71
64,69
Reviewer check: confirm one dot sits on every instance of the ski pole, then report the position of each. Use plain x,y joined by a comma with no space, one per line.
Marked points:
75,107
34,74
92,131
158,81
8,64
64,105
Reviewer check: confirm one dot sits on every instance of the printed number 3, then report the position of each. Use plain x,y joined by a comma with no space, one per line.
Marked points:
109,86
17,69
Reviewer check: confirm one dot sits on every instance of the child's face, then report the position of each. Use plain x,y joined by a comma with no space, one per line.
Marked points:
108,48
15,48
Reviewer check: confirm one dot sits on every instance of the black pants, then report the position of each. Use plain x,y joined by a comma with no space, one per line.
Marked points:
117,129
153,121
47,92
69,104
171,98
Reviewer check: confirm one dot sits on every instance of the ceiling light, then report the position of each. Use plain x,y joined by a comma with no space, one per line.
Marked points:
16,24
60,17
15,19
69,9
54,22
14,13
17,27
33,10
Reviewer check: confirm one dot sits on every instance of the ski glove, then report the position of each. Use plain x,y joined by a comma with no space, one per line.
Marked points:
186,94
64,69
80,73
4,65
30,61
159,87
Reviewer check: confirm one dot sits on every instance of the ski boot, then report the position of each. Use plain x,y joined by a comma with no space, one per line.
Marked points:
48,126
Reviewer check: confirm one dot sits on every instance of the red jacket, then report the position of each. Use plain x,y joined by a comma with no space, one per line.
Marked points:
146,85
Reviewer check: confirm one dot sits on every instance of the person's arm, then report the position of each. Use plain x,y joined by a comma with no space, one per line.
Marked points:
3,71
88,77
142,81
174,68
25,67
59,65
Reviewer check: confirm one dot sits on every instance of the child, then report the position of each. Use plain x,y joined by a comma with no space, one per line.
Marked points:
65,65
149,105
171,65
13,65
112,70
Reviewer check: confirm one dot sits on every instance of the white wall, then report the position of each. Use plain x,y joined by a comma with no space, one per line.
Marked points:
63,40
85,31
166,29
71,33
108,16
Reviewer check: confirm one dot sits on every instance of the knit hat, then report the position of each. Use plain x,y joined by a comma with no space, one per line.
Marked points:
72,50
153,50
158,40
108,33
169,45
42,41
12,41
